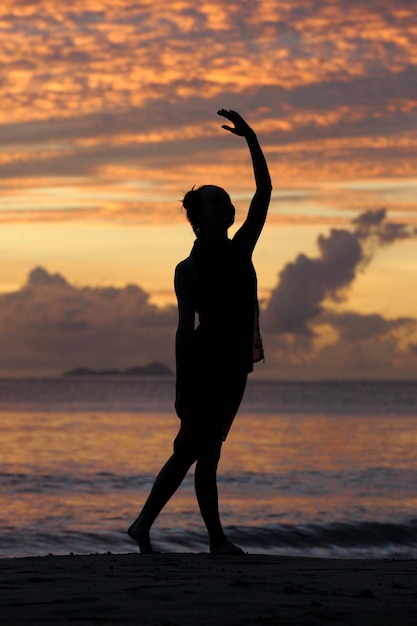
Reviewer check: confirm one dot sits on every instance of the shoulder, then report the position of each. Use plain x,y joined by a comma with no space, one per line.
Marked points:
185,268
185,274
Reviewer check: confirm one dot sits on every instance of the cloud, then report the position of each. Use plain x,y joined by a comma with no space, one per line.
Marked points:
50,325
347,345
108,112
307,338
89,88
306,284
353,326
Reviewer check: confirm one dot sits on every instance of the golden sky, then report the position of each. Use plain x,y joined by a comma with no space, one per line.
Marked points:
108,115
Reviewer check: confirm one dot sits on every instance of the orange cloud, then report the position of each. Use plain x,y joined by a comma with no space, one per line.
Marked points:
108,107
77,60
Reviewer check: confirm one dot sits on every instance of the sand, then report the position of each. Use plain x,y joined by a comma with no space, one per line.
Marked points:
194,589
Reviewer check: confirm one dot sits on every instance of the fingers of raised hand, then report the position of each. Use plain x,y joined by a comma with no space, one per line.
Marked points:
233,116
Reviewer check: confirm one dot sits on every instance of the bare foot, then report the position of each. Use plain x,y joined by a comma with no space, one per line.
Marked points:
225,547
142,538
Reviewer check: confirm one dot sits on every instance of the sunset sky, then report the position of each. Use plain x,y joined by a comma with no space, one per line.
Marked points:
108,115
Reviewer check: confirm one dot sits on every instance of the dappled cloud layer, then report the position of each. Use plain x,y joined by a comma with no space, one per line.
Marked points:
108,108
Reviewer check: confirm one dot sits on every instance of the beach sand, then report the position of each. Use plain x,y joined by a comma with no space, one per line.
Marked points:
194,589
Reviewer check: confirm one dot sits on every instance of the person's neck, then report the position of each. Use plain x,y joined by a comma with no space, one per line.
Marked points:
215,238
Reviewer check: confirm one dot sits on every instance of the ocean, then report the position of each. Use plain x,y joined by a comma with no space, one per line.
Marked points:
326,469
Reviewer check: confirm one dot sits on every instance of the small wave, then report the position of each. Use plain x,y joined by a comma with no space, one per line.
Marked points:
95,483
365,539
339,539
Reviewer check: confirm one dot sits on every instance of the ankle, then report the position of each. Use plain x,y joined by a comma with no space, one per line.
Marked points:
217,540
140,527
142,538
225,547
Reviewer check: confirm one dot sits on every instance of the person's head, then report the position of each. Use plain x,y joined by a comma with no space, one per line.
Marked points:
208,208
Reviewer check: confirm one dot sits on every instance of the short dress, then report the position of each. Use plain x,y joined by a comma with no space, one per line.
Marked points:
227,339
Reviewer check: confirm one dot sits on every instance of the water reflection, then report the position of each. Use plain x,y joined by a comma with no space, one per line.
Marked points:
68,474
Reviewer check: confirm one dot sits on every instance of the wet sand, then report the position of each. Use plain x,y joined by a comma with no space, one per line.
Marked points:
194,589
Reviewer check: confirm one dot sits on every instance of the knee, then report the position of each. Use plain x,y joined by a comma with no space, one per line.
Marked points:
185,456
209,458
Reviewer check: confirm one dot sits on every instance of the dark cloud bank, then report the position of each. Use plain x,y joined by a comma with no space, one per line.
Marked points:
366,346
306,284
49,325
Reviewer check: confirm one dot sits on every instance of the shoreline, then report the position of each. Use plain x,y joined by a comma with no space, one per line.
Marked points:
187,589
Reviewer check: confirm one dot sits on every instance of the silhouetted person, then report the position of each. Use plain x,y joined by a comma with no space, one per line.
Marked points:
218,282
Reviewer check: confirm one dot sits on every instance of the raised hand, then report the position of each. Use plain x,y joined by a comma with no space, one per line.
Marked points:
250,230
240,128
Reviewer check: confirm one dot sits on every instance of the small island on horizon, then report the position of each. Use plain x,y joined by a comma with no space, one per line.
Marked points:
151,369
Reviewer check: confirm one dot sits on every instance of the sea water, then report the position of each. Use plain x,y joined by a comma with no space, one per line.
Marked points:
313,468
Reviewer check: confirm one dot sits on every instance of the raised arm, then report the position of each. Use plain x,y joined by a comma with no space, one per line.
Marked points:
250,230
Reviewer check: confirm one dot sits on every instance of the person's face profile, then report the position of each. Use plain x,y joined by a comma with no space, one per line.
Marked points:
218,210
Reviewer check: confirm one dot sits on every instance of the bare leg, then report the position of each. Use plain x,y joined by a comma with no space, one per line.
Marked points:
166,483
207,496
